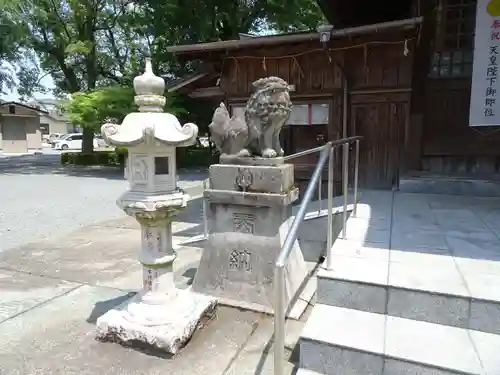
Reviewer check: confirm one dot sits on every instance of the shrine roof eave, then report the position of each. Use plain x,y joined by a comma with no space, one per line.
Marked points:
185,81
226,45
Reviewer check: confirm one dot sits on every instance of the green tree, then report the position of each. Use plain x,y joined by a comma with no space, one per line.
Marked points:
82,44
163,23
89,44
8,50
91,109
300,15
12,53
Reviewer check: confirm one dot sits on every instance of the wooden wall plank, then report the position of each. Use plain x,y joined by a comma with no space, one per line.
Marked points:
308,67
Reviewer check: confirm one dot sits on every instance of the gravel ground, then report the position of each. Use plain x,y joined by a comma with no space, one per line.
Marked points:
40,199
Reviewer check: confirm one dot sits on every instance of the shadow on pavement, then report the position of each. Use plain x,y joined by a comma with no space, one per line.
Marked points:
50,164
101,308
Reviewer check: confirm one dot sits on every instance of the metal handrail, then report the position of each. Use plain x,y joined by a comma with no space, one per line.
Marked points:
279,271
205,209
292,233
204,236
303,153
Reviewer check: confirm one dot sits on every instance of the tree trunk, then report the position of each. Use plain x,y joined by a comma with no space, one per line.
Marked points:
88,140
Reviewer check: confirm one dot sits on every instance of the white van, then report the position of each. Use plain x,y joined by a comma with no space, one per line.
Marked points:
71,141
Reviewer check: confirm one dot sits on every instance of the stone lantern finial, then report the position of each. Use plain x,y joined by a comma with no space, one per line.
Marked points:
149,90
150,125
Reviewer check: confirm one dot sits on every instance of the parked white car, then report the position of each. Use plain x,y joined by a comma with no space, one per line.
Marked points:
71,141
54,137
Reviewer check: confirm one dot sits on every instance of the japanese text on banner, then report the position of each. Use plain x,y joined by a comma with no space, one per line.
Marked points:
492,70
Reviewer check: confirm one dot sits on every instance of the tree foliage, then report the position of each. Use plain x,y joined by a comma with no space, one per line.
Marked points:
88,45
82,44
15,59
92,109
8,49
165,23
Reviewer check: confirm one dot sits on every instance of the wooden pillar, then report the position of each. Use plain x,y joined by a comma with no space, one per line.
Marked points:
412,153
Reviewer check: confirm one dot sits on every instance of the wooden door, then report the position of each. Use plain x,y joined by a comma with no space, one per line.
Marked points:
382,126
286,140
305,137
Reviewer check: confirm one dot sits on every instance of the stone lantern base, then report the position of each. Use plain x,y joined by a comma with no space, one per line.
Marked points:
160,315
165,324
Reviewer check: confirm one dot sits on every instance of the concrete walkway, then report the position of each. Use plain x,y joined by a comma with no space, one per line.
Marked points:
52,292
457,238
416,284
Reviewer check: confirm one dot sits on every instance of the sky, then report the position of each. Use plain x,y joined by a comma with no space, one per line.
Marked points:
46,81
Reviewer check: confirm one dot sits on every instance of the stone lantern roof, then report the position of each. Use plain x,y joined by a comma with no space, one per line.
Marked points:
150,124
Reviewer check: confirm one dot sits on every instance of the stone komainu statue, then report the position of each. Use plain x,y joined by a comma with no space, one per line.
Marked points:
266,112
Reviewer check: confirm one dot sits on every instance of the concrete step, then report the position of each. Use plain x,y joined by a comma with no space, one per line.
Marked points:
337,340
303,371
424,287
451,184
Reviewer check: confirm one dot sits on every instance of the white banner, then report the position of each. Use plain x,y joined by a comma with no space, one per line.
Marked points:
485,94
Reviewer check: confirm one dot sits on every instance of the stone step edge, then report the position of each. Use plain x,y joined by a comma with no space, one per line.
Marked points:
385,304
446,370
351,318
322,274
304,371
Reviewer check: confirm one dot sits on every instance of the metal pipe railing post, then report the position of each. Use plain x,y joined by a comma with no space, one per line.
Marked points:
320,186
345,183
280,302
279,321
205,218
329,238
356,180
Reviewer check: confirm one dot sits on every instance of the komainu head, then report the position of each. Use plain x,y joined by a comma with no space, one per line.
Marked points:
270,100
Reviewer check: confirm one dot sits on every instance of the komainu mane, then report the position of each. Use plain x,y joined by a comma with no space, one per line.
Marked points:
266,112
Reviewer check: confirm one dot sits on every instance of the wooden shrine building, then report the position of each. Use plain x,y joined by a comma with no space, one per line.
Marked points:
400,76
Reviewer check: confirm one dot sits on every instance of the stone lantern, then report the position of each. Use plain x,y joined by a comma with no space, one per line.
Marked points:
159,315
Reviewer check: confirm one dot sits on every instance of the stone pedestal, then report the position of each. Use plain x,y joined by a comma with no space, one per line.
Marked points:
249,218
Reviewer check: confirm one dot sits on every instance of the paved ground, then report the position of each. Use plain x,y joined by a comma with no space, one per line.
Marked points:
53,291
41,199
415,284
69,254
445,244
452,184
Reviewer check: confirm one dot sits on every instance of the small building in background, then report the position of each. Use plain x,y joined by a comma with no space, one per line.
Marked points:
20,127
54,121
